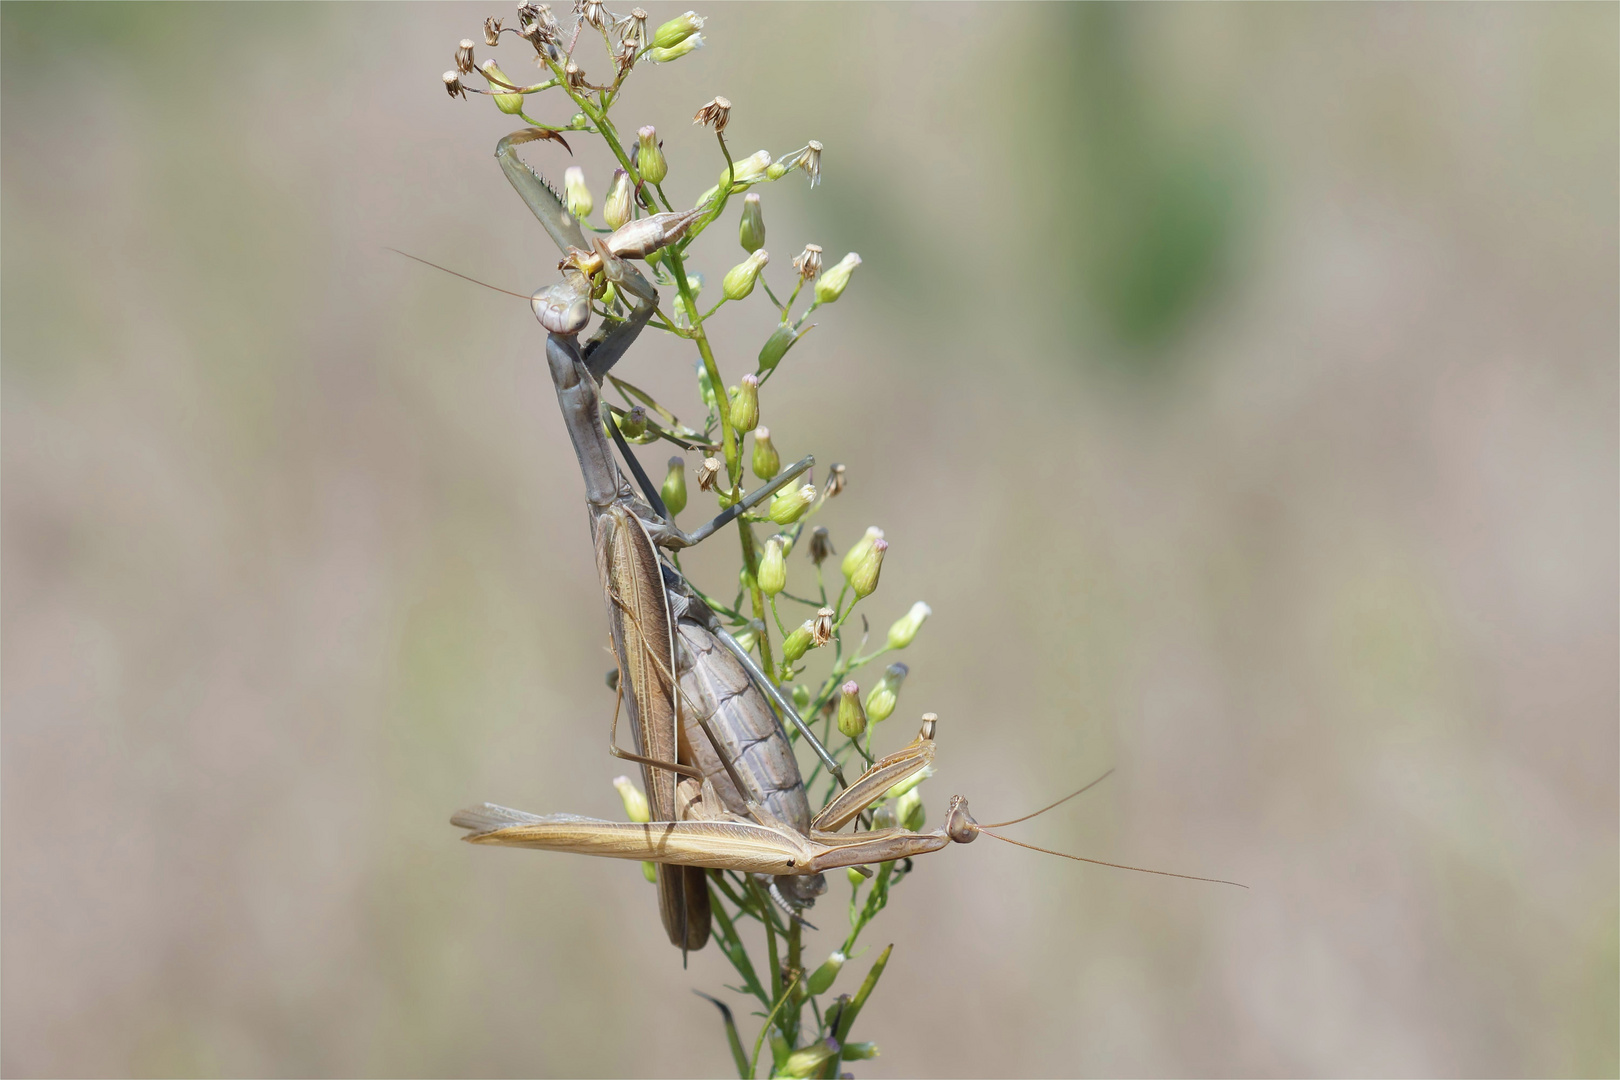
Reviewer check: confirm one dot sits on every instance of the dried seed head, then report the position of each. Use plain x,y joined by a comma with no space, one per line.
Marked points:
452,85
492,32
858,550
821,627
834,281
464,57
835,482
767,462
807,157
739,280
674,489
575,77
678,30
633,28
820,545
808,262
577,196
796,644
650,156
708,473
591,12
752,231
810,161
716,114
851,716
865,578
616,207
904,630
790,505
773,568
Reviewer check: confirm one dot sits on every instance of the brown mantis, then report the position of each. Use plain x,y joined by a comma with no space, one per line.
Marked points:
724,788
699,707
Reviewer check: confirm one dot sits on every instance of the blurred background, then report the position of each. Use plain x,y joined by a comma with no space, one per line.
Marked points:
1237,383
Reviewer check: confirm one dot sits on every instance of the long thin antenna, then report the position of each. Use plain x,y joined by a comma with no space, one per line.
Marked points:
463,277
1115,865
1054,806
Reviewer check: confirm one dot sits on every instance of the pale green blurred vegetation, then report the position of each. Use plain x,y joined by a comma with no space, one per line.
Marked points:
1238,383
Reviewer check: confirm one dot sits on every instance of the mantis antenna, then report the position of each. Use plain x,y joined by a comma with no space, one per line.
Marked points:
985,829
463,277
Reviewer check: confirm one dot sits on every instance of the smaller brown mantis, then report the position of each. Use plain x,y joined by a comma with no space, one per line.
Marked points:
711,837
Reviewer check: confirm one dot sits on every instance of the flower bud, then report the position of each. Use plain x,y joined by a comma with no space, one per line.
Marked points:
860,1051
821,628
881,701
650,156
810,1060
635,803
908,810
858,550
677,30
790,505
708,473
820,545
855,876
616,207
796,644
883,817
750,170
772,568
752,232
865,579
830,286
578,196
739,280
783,338
767,462
801,697
748,636
675,52
822,978
910,783
851,717
508,103
745,406
674,489
906,626
633,424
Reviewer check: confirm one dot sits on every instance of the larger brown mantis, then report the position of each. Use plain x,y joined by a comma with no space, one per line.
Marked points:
715,803
698,705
